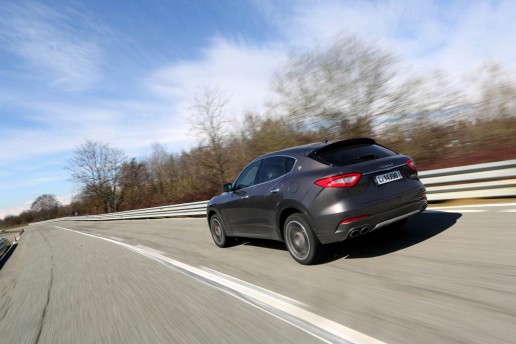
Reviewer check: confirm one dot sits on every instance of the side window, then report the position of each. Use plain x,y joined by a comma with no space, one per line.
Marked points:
289,164
275,167
248,176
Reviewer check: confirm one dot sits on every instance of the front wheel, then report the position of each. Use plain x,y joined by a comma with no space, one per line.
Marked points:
218,233
302,244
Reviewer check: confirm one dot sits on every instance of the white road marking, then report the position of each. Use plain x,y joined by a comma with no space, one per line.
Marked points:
257,288
279,306
148,249
117,239
477,206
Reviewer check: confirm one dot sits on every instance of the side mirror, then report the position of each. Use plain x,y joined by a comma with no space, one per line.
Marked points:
228,187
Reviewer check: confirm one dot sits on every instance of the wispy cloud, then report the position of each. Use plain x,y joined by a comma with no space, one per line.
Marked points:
455,37
52,45
239,70
59,127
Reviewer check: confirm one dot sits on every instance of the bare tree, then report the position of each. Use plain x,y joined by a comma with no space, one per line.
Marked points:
497,92
46,206
209,121
134,184
158,169
260,134
341,87
96,168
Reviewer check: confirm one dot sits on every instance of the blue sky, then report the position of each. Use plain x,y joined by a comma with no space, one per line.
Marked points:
126,72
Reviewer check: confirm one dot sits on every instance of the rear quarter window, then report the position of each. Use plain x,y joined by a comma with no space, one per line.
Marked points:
353,154
275,167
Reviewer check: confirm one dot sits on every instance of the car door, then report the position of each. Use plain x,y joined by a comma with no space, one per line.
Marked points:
268,194
236,210
257,211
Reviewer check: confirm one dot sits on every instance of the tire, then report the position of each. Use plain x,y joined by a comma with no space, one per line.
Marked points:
302,244
218,233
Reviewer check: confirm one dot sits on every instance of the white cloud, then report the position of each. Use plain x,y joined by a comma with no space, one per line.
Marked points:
51,45
60,127
15,210
483,32
240,71
63,199
455,37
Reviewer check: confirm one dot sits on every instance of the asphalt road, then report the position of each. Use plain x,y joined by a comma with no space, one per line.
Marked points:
449,277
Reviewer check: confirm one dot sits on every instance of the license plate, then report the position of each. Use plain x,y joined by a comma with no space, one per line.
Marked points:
388,177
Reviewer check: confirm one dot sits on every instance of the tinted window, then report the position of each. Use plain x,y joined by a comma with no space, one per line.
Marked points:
352,154
248,176
275,167
289,164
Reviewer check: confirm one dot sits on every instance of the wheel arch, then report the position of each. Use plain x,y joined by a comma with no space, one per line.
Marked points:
284,213
210,213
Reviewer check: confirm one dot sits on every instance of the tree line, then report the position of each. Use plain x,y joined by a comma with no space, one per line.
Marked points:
349,88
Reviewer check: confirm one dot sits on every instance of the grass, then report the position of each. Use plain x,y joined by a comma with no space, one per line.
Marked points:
12,229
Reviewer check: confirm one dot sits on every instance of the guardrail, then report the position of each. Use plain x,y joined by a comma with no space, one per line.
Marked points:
185,209
496,179
474,181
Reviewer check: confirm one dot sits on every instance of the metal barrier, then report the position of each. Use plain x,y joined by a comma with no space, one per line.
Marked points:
185,209
496,179
178,210
474,181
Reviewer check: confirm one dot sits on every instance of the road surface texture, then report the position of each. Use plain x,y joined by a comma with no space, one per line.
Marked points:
448,277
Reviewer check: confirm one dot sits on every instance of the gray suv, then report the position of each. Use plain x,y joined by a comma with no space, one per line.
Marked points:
318,194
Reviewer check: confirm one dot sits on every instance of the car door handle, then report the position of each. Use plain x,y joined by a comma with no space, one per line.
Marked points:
274,190
244,197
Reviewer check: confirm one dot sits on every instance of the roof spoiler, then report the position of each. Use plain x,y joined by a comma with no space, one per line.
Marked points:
338,144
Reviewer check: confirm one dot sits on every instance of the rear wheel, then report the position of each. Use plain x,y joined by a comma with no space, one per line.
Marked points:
302,244
218,232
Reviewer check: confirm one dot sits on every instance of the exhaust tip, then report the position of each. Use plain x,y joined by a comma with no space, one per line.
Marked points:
354,233
359,231
364,230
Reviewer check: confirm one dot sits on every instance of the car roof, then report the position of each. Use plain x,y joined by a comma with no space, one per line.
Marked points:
305,150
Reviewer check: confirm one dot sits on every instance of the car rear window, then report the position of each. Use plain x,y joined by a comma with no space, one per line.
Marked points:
346,155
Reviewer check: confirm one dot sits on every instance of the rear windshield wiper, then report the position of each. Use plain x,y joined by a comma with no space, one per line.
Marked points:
365,157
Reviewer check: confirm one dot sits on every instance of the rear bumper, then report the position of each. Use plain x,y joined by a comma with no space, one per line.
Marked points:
380,214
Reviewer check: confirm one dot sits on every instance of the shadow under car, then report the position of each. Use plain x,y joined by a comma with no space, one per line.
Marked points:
387,240
381,242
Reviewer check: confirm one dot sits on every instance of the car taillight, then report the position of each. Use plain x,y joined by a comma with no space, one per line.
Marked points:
411,164
340,181
353,219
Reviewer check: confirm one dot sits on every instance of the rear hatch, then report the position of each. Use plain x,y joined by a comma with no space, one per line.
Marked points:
384,172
